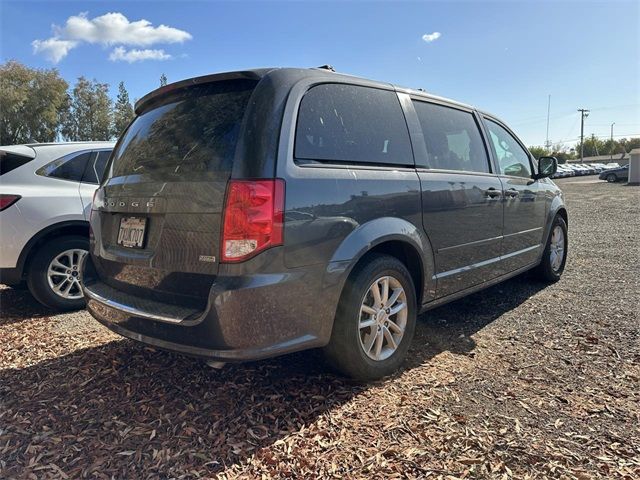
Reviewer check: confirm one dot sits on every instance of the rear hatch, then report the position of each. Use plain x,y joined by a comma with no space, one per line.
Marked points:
160,209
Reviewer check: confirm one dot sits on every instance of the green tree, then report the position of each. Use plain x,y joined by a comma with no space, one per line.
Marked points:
32,103
122,111
163,80
592,146
538,152
625,145
562,153
89,115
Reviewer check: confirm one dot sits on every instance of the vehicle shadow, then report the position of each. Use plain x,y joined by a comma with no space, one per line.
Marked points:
123,409
18,305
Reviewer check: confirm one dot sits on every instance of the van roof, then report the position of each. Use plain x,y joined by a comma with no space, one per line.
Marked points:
293,74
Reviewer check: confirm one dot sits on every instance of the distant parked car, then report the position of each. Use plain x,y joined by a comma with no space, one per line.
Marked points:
45,199
611,165
578,169
563,171
613,175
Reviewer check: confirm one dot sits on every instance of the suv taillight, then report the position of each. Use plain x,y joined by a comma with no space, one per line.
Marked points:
7,200
253,218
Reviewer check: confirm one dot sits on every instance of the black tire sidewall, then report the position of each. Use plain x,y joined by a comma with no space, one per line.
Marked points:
611,178
546,270
344,351
37,272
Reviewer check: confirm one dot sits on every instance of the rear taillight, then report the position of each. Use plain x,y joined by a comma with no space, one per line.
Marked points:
252,218
7,200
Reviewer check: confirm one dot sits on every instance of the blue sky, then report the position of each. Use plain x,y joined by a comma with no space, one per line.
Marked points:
504,57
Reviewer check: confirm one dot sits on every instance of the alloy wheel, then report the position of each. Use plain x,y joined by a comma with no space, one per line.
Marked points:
556,250
64,276
383,318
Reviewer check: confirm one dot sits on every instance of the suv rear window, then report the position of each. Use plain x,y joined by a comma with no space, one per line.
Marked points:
10,161
189,133
351,124
70,167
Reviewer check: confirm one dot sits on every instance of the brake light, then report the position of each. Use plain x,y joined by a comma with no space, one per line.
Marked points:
7,200
253,218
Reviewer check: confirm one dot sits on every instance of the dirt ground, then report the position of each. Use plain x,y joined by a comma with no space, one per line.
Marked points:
520,381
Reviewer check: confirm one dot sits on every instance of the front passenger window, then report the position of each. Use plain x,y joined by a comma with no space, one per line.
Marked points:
512,158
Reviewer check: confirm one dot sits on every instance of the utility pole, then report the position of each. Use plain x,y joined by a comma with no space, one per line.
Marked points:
611,151
547,143
583,114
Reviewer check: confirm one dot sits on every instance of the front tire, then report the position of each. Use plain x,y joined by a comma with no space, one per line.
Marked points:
612,178
54,276
554,257
375,320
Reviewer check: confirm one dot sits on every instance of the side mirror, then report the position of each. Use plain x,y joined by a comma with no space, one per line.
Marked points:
547,166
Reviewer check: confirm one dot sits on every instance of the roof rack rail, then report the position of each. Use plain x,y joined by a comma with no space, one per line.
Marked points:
327,67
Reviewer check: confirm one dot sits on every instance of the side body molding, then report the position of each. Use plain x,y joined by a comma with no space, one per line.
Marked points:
376,232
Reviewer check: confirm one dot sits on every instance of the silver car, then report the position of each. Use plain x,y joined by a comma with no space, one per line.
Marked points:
45,200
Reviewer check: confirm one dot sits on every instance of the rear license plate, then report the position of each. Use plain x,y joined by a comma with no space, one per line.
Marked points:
131,232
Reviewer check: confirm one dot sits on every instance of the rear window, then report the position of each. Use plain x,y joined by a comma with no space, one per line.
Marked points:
351,124
70,167
190,133
10,161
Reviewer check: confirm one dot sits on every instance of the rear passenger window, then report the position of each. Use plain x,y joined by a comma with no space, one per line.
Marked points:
96,166
70,167
452,138
351,124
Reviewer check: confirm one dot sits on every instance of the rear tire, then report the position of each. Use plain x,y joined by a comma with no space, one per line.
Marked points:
612,178
369,340
41,283
552,265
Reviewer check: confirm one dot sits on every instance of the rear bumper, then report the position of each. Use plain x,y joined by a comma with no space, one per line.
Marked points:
247,317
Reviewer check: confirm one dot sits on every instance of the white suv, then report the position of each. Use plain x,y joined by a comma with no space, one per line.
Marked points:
45,201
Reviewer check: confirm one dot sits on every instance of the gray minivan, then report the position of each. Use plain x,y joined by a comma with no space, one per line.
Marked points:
250,214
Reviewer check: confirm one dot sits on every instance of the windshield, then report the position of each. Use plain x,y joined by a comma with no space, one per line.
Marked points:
189,134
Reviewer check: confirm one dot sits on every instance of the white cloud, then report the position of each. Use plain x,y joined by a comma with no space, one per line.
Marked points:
116,29
135,55
107,30
54,49
431,37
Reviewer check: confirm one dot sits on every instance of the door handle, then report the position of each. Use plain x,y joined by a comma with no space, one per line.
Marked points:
512,193
492,193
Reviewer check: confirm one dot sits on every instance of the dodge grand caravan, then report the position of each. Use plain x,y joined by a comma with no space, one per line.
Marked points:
250,214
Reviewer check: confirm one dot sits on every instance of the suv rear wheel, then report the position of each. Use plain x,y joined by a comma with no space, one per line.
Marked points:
375,320
612,178
54,273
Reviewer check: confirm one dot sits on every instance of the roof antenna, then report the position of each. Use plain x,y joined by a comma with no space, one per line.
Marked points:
327,67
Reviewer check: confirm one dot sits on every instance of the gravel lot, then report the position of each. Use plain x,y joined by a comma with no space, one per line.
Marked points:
522,380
